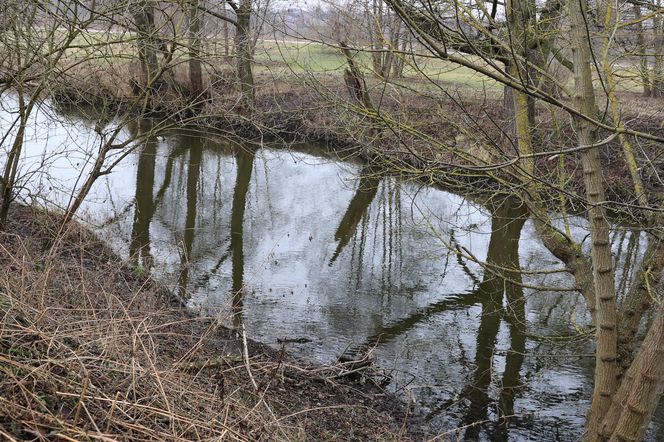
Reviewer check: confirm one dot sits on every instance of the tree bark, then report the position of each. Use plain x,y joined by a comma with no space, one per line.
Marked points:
639,394
400,61
374,20
517,103
354,79
195,70
641,51
148,45
13,157
657,79
522,21
244,52
638,300
224,24
602,262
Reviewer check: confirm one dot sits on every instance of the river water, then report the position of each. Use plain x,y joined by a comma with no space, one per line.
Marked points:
327,256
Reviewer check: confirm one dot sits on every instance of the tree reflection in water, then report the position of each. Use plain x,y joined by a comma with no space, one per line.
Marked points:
193,177
389,282
244,161
381,296
501,280
139,247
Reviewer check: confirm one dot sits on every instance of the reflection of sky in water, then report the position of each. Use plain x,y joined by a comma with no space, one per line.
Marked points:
388,270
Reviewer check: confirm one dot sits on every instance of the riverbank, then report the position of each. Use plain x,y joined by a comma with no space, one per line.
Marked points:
93,349
443,135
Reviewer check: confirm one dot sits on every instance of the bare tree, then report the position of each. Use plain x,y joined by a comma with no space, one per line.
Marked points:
243,50
195,69
501,45
34,40
148,44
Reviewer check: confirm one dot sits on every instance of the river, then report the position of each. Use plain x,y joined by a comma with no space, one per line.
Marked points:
327,256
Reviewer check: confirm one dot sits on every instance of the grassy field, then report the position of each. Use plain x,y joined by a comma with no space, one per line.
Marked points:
299,58
289,60
276,58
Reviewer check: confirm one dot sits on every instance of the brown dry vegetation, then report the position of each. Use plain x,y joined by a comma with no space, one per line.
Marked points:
91,351
425,131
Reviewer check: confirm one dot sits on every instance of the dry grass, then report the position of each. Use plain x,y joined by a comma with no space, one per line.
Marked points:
439,135
89,351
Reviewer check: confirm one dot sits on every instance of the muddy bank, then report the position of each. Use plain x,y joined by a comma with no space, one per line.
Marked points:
91,348
446,139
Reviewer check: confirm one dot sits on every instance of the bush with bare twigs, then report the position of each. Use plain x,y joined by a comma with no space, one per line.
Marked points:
91,351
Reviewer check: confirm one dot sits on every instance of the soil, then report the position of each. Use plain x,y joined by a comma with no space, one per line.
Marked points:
90,349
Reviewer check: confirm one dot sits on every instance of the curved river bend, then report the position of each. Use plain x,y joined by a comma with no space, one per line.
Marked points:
330,255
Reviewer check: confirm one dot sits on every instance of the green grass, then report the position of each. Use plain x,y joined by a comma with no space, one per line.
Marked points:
293,58
299,58
284,59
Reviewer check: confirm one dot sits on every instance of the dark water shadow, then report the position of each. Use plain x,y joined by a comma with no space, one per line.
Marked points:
245,161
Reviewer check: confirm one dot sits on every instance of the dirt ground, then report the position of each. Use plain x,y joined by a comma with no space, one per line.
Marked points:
91,350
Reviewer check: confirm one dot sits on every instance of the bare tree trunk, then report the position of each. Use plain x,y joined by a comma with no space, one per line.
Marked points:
92,176
27,55
11,166
628,151
641,51
106,146
402,45
564,248
357,87
195,71
374,36
509,128
639,299
657,79
243,51
224,23
148,44
390,57
521,17
548,28
640,391
602,262
385,38
259,18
